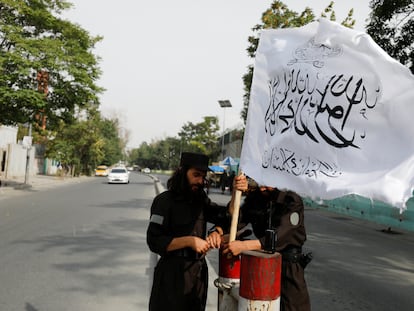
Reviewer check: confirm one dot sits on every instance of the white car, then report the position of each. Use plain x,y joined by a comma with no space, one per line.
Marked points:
118,175
146,170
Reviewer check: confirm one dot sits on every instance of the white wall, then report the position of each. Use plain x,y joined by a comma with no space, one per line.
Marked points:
16,161
8,135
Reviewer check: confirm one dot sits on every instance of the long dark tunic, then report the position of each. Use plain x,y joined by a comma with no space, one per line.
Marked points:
180,277
287,219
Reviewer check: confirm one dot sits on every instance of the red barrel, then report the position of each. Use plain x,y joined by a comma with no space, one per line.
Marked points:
260,275
229,266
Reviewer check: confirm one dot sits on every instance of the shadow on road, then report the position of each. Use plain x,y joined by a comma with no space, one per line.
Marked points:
109,259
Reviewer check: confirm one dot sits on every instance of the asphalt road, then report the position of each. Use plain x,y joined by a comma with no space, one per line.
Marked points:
77,247
82,247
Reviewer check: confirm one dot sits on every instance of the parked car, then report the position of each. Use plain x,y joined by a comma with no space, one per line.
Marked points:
118,175
101,170
146,170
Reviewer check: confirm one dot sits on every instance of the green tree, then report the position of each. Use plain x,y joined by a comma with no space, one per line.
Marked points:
113,144
279,16
145,155
77,146
391,25
201,137
86,143
41,52
165,154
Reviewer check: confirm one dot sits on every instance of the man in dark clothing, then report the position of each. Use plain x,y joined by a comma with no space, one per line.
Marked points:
231,179
223,182
281,213
177,232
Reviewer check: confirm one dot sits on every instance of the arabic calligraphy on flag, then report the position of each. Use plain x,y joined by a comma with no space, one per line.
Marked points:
330,114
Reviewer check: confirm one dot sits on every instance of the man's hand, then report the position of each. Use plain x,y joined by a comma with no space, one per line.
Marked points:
199,245
214,239
237,247
240,183
234,248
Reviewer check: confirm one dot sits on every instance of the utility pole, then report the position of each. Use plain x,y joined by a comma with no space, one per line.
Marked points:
28,143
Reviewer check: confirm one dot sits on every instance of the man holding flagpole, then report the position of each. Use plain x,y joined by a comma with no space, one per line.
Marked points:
326,118
277,219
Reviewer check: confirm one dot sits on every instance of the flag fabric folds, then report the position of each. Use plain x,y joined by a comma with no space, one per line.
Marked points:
330,114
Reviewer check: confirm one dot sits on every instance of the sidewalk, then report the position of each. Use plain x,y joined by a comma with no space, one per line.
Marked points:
17,186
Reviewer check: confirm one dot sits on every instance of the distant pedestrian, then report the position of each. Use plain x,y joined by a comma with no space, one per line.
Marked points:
231,179
223,182
177,232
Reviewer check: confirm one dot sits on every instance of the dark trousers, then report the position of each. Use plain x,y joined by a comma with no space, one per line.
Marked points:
179,285
294,291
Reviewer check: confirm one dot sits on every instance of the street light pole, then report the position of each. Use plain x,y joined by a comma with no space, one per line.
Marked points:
224,104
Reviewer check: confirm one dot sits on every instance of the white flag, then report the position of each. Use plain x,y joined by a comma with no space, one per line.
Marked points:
330,114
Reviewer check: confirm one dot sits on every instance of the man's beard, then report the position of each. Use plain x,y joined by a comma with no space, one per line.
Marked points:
196,188
196,191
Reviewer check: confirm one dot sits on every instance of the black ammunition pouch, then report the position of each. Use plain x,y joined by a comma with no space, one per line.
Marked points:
306,259
295,255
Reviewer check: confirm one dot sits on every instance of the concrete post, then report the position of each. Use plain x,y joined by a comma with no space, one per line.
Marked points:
260,276
228,283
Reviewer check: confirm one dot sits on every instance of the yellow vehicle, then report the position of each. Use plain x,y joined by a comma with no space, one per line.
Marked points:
101,170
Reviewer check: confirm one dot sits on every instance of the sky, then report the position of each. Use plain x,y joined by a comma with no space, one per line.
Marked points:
166,63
